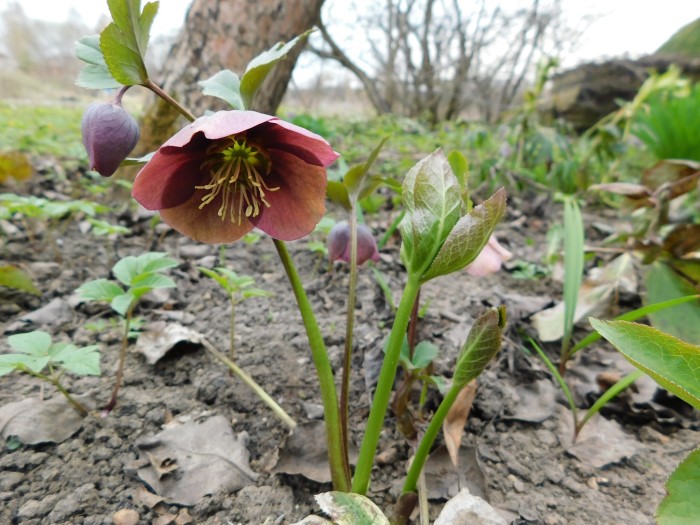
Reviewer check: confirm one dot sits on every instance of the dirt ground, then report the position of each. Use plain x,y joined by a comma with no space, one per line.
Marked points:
517,449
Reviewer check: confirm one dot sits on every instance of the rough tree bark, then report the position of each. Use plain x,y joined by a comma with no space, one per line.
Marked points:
226,34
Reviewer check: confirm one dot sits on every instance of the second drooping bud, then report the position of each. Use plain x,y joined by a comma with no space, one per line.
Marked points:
339,243
109,135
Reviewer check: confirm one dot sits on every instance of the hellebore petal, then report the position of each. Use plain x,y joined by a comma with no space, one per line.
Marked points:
489,259
339,243
226,173
109,135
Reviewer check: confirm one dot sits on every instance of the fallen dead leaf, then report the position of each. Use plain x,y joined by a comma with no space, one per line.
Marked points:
142,496
467,509
453,425
601,442
444,480
33,421
160,337
183,518
594,297
165,519
305,453
210,459
162,466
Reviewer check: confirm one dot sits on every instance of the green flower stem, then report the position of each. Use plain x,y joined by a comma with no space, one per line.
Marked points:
340,471
170,100
390,231
122,358
349,326
278,410
365,460
426,442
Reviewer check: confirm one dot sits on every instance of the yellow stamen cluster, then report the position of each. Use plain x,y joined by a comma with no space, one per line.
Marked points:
237,173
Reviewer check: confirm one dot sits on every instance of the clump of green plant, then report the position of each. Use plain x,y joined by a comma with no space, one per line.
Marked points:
37,355
136,276
669,124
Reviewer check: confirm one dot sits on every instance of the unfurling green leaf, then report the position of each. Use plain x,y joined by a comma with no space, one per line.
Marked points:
124,41
338,193
468,237
94,74
431,197
672,363
681,505
261,65
224,85
460,167
13,277
483,342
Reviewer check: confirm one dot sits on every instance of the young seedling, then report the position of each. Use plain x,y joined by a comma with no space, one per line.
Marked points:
38,356
239,288
138,275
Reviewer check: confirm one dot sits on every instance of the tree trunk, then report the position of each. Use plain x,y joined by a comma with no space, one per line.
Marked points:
226,34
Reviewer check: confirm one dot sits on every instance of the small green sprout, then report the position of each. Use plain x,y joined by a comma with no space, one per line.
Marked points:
239,288
138,275
38,356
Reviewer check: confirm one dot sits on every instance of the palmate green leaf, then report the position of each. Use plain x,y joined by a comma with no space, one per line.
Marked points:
130,267
222,280
483,342
146,282
468,237
683,321
681,506
81,361
433,204
11,362
122,303
100,290
13,277
672,363
124,41
423,354
36,343
94,74
224,85
261,65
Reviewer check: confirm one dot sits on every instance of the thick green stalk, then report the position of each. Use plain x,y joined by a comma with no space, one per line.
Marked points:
365,460
340,472
349,325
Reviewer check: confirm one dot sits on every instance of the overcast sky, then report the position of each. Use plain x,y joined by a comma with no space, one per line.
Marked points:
633,27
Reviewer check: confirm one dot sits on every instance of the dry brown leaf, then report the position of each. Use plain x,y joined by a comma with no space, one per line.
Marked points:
183,518
143,496
162,466
453,425
444,480
165,519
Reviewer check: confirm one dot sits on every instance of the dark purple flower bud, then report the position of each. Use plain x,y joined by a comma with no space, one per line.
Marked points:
109,135
339,243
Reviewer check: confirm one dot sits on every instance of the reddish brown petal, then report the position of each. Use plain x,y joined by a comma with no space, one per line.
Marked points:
204,225
308,146
168,179
220,124
299,204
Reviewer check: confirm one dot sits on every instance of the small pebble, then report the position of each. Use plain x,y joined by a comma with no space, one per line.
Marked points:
126,517
592,483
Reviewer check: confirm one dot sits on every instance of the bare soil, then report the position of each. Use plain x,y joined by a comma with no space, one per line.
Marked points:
515,426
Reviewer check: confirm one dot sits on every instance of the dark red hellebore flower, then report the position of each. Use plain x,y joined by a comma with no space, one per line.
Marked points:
226,173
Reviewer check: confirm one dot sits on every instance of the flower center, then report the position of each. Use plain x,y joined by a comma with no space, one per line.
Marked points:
237,172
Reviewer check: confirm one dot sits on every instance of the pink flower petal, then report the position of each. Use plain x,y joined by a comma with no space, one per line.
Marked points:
489,259
281,135
168,179
204,225
219,125
299,204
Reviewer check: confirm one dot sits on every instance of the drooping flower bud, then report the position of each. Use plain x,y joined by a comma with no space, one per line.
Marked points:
489,259
109,135
339,243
